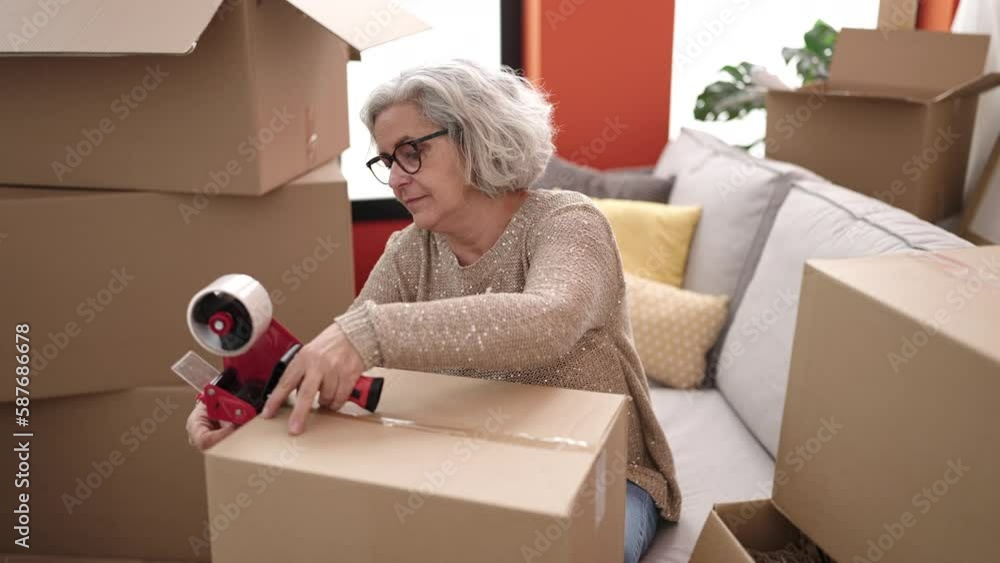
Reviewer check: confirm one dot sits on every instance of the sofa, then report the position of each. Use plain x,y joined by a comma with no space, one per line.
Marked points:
761,221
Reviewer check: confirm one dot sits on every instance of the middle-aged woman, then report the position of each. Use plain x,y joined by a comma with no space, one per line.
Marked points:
493,279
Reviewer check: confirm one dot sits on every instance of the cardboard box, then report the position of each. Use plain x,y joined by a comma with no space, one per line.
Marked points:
452,470
894,121
888,449
104,278
110,475
912,393
17,558
898,14
734,528
207,96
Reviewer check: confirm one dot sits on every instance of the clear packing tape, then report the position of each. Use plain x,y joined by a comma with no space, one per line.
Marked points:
518,438
350,411
960,270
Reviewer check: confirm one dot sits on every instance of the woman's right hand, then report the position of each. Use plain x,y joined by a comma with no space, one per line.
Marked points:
203,432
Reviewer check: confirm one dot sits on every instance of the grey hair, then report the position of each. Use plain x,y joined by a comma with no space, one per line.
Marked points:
501,123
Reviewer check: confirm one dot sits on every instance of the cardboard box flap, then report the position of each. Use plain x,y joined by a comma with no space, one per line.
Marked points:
869,91
973,87
738,532
917,60
427,423
118,27
103,27
769,531
362,23
717,543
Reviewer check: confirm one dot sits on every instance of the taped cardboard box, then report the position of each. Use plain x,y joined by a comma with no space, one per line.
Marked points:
103,278
451,470
888,440
200,96
894,121
110,475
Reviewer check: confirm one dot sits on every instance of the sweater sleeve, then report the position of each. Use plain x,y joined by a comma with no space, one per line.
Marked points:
573,283
384,285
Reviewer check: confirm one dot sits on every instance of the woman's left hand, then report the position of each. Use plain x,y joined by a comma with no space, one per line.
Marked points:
328,365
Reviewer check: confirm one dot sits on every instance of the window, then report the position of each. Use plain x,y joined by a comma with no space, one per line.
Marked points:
709,34
467,30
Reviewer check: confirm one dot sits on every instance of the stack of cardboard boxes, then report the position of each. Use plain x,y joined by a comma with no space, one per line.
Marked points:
146,151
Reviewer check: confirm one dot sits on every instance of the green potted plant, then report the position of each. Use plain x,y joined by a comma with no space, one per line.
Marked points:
740,93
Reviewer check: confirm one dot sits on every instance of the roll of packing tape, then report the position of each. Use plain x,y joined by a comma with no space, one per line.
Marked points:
228,315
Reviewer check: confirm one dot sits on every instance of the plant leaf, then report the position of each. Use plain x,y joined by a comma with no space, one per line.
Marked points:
812,62
738,94
734,72
725,100
789,53
821,39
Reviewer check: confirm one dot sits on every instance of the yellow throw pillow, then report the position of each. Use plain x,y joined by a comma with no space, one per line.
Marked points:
653,238
673,329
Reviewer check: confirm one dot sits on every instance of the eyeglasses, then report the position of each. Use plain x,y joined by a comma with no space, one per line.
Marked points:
406,155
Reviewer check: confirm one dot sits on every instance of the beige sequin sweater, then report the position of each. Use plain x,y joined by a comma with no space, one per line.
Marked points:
545,306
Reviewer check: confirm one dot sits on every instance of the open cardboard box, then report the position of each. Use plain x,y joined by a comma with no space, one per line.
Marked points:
734,528
888,441
178,95
103,278
452,470
894,120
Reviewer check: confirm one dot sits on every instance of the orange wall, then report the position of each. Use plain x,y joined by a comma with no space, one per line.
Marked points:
936,15
606,66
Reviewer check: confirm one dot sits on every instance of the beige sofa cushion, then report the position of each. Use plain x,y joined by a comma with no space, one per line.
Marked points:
673,329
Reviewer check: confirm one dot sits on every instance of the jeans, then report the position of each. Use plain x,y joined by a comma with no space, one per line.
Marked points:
641,519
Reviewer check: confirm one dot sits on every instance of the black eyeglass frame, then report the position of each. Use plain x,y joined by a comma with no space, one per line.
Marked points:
394,161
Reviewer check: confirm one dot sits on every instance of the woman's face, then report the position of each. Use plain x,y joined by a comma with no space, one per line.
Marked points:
436,193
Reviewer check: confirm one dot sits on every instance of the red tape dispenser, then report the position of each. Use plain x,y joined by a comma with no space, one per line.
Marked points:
232,318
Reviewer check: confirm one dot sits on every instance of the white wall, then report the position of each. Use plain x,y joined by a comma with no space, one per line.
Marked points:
709,34
467,30
982,16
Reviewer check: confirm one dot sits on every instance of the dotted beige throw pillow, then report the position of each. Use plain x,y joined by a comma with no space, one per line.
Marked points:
673,329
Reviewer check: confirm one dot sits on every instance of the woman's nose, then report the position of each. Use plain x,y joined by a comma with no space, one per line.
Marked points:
398,177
